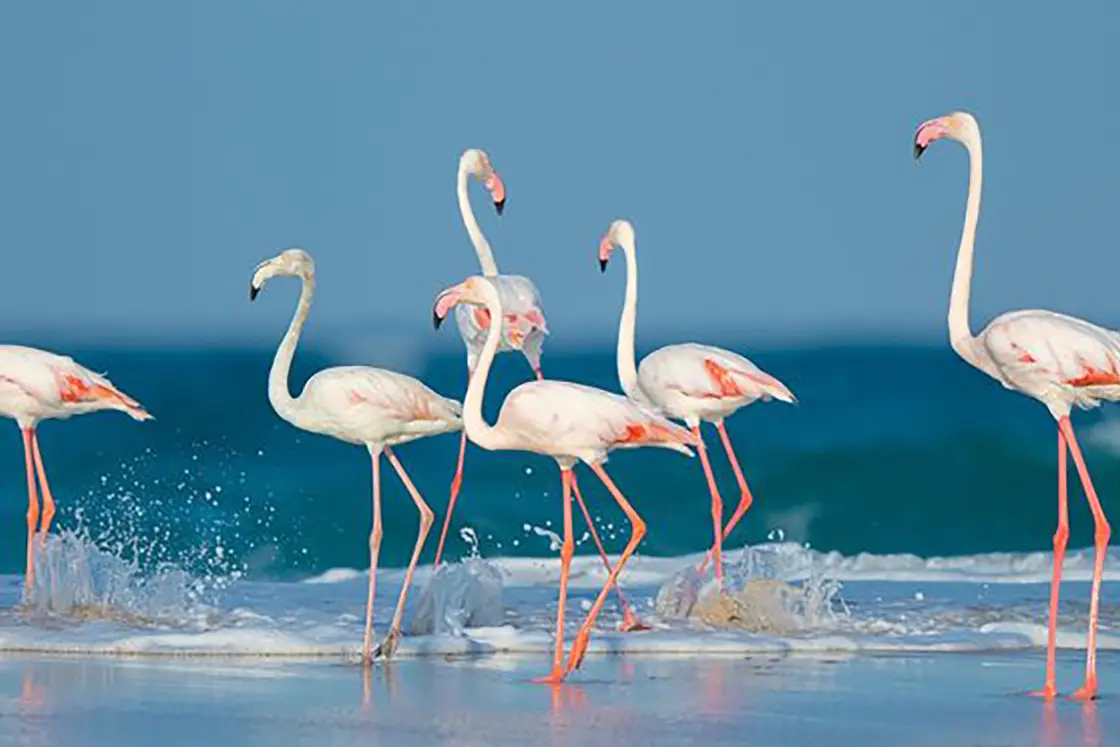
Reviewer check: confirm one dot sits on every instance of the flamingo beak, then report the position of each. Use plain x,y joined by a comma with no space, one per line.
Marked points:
445,301
604,253
253,291
497,191
919,149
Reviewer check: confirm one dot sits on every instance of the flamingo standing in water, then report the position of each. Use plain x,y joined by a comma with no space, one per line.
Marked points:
361,405
1059,360
690,382
570,423
523,328
36,385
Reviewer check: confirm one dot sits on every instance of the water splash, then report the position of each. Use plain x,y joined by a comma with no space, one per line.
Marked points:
756,594
462,595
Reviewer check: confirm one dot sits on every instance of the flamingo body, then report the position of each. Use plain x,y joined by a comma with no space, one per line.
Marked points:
38,385
571,421
694,382
364,405
523,323
1061,361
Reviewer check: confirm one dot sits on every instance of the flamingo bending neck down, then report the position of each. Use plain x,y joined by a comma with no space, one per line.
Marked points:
690,382
36,385
523,329
361,405
570,423
1059,360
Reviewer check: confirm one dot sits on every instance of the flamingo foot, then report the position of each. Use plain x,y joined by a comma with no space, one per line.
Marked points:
556,677
1049,692
388,646
579,648
1086,692
631,624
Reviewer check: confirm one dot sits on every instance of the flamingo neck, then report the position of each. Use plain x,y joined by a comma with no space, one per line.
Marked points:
278,395
478,430
960,336
481,245
627,368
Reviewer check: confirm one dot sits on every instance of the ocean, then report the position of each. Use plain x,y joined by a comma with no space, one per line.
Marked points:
891,449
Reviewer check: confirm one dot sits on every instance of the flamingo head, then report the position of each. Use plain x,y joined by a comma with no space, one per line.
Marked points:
294,262
959,126
474,291
477,162
620,233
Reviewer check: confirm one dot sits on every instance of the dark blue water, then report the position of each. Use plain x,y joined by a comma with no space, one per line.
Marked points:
891,449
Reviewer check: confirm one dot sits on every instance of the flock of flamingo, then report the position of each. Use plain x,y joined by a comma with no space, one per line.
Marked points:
1058,360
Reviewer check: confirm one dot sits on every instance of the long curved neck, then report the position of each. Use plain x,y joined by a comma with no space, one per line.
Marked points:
282,401
481,432
627,368
960,336
481,245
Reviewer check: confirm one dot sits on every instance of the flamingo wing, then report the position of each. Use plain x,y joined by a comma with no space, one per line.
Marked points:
360,393
60,384
523,325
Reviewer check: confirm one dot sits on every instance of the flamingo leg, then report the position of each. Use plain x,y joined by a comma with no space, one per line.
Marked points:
630,622
717,507
1061,537
556,676
745,497
639,531
456,484
48,499
1101,534
32,505
374,550
389,645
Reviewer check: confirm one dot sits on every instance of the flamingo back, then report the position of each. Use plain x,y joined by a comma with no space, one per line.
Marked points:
1060,360
523,328
562,419
693,381
367,405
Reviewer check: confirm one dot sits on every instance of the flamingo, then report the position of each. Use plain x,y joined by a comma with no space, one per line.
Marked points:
36,385
523,328
569,422
1059,360
690,382
367,406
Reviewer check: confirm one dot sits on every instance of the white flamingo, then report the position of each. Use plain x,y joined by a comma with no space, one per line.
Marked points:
361,405
34,386
570,423
523,325
1059,360
690,382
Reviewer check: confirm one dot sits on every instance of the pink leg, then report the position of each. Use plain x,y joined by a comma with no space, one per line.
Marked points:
48,499
540,376
389,645
717,507
456,483
374,550
32,505
745,498
630,622
566,550
1101,534
639,531
1061,537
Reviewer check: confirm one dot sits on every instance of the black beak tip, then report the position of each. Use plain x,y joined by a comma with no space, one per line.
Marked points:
436,320
500,205
253,291
918,151
602,265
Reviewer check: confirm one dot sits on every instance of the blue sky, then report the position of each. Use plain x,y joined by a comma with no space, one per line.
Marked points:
155,152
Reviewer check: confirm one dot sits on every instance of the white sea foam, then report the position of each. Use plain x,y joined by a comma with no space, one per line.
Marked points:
89,603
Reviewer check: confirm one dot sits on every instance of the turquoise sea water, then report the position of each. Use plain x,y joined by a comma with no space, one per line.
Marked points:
891,449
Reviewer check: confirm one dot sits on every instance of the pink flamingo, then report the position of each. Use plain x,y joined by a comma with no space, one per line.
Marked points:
36,385
361,405
690,382
523,329
1059,360
570,423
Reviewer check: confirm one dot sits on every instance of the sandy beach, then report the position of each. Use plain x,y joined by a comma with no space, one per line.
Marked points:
940,700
